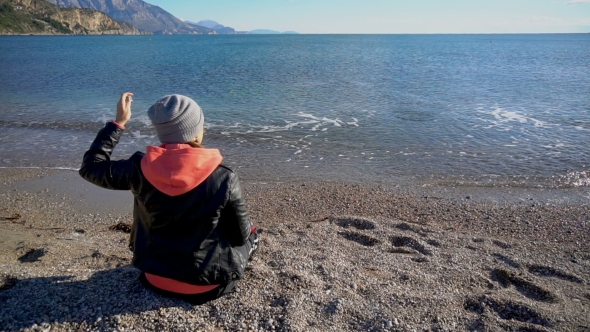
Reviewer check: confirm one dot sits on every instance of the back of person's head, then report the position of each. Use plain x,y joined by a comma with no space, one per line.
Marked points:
177,119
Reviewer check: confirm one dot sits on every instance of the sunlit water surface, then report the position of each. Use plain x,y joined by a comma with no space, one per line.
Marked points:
490,110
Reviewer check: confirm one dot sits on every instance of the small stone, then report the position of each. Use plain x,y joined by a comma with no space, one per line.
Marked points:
576,300
388,324
395,321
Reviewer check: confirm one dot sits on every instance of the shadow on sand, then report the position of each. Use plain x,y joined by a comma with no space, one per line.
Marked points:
95,301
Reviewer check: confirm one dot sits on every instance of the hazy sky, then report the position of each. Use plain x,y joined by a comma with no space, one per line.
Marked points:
389,16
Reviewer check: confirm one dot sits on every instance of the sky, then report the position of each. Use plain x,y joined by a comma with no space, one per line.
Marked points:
389,16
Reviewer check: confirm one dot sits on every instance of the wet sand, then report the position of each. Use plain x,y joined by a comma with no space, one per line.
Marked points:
334,256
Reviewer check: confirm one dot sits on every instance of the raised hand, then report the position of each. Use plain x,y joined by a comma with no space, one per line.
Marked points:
124,108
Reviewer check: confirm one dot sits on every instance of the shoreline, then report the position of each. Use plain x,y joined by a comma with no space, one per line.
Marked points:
501,192
334,255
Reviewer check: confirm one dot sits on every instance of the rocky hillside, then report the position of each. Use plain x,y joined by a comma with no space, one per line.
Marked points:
42,17
141,14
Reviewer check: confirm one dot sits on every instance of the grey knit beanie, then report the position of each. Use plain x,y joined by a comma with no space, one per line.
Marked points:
177,119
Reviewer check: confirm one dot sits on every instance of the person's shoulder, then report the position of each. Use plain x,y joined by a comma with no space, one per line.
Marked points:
138,155
225,168
225,172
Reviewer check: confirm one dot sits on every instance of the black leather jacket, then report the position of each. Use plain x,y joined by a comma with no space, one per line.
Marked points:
189,238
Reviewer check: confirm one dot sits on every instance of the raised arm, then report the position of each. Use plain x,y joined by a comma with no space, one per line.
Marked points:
97,166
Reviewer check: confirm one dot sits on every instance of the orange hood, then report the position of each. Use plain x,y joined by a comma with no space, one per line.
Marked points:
176,169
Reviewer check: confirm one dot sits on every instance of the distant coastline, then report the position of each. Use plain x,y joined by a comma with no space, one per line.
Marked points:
34,34
147,33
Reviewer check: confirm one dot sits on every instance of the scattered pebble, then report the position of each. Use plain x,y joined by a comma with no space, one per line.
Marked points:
311,278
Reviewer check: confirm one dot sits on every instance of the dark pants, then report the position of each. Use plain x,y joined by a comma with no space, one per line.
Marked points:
201,298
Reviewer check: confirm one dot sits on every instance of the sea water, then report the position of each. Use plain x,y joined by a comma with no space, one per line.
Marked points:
491,110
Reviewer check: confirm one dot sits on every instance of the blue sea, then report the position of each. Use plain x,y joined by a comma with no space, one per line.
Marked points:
481,110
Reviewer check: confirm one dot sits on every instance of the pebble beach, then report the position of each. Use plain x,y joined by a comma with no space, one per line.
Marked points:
334,256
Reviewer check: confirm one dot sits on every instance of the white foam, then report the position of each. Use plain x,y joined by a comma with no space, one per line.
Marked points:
538,123
235,125
307,115
310,122
144,119
263,128
35,122
325,120
369,113
305,137
336,122
103,118
137,134
503,116
314,128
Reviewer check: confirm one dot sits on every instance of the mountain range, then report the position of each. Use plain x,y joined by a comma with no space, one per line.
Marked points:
208,24
43,18
141,14
220,29
272,32
146,17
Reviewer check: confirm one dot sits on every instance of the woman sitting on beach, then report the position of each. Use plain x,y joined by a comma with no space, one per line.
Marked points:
191,236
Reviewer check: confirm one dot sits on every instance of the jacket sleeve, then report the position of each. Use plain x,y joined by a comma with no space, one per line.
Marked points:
240,223
97,166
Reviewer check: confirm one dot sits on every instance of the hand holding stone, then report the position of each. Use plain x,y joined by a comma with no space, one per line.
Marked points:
124,108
